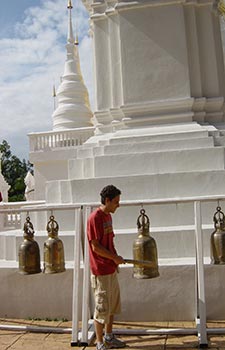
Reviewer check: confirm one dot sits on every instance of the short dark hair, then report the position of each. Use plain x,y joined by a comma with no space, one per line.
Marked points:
110,192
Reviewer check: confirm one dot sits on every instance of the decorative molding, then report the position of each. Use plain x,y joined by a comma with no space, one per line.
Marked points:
161,107
112,7
103,117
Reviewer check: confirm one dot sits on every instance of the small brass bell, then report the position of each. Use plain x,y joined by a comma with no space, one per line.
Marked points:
218,238
53,249
144,248
29,253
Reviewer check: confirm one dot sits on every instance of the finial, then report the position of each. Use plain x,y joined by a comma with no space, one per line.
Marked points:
69,5
53,91
54,96
76,42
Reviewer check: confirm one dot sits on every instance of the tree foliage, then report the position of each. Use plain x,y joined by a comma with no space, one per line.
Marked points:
14,171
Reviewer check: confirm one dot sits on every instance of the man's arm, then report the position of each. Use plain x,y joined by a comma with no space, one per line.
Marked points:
105,253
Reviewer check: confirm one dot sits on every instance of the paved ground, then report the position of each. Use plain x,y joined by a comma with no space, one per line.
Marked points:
18,340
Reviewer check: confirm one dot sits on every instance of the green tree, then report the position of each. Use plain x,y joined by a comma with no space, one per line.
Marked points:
14,171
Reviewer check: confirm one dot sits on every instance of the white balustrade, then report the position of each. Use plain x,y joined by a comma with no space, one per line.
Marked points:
13,220
59,139
11,217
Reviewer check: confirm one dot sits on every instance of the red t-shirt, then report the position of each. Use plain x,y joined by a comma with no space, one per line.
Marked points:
99,227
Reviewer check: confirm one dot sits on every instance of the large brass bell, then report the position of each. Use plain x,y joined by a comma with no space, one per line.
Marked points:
53,249
29,253
144,248
218,238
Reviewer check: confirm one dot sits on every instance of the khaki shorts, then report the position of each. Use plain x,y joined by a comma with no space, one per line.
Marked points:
107,296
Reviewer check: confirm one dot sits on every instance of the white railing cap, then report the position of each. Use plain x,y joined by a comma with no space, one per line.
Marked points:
42,206
52,132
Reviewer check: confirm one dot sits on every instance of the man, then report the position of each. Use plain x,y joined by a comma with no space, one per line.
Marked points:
104,263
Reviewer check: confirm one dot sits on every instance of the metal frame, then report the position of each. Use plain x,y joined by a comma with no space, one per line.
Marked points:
76,277
86,334
201,331
83,337
200,282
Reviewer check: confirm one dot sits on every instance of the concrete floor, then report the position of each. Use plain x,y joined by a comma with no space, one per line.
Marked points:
18,340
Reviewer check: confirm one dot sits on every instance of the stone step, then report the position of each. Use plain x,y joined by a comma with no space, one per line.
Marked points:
154,186
160,162
160,132
159,136
146,146
164,145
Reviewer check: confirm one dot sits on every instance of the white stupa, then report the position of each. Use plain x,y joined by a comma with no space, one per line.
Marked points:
72,121
4,186
73,109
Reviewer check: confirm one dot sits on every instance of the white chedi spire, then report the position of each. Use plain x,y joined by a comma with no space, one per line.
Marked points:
73,109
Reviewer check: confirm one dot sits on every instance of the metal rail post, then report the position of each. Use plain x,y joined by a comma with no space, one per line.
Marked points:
200,288
76,277
86,334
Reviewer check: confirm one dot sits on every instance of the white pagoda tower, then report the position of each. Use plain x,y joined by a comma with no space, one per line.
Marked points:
73,109
72,121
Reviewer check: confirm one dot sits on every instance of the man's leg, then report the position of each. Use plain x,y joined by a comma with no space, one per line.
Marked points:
99,331
110,340
109,326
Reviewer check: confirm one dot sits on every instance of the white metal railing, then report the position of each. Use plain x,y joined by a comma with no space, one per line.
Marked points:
59,139
82,210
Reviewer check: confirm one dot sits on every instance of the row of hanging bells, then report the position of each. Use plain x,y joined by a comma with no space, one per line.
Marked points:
144,248
29,252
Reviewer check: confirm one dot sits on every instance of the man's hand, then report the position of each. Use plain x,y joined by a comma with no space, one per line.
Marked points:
119,260
102,251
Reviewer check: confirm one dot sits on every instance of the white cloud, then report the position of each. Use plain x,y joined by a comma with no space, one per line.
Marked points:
30,63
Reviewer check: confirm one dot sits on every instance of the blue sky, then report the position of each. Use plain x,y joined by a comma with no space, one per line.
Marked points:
12,12
32,55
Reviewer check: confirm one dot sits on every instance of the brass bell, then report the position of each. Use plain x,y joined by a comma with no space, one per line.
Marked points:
53,249
29,253
144,248
218,238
